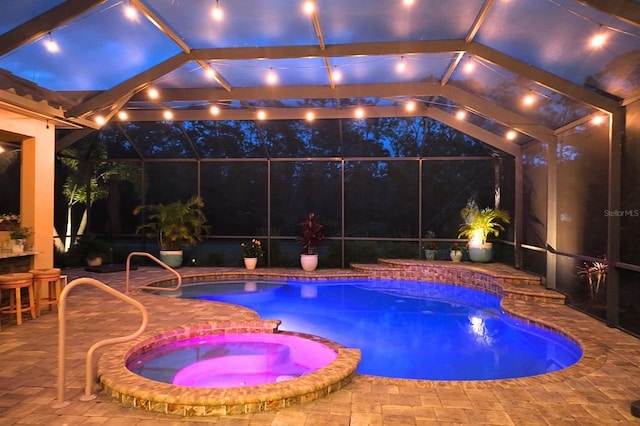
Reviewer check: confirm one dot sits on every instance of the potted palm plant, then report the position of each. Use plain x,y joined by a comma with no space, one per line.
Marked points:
176,226
311,234
478,225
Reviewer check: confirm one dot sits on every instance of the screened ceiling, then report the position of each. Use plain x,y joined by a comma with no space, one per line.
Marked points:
485,67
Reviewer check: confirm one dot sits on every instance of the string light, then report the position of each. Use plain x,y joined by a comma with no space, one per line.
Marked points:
122,115
51,44
529,99
262,115
598,40
461,114
511,135
168,115
130,12
337,74
309,7
597,120
410,106
272,77
217,13
214,110
210,73
310,116
401,66
153,93
408,3
359,113
1,149
469,67
100,120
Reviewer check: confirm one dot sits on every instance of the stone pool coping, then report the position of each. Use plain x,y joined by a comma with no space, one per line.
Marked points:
138,392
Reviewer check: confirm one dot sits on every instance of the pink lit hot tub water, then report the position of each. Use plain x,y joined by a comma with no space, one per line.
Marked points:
232,360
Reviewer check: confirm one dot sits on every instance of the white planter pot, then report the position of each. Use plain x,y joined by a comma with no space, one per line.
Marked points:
172,258
17,246
455,255
482,253
309,262
430,254
250,262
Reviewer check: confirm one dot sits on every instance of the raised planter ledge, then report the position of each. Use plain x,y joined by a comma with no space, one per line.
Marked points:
495,278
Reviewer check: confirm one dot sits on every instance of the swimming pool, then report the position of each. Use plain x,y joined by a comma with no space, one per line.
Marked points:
405,329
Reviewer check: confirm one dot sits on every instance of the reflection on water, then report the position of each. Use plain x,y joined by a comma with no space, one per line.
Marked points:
406,329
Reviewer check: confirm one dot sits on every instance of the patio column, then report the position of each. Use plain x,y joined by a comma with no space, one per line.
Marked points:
37,176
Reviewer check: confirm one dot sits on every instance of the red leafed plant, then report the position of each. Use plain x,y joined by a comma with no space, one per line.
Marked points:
311,234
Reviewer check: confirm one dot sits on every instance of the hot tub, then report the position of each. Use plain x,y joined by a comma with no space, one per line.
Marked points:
241,368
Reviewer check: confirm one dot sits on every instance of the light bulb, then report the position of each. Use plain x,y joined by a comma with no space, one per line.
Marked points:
598,40
359,113
100,120
410,106
310,116
511,135
272,77
153,93
469,67
122,115
529,99
217,13
309,7
597,120
51,45
210,73
168,115
461,114
401,66
262,115
130,12
214,110
337,75
408,3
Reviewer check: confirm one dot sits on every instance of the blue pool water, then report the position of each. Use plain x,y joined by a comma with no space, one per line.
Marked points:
405,329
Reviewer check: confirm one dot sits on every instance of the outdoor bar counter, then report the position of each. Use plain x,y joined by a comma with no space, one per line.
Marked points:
16,262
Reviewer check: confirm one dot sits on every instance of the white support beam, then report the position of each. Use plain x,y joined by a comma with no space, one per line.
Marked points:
133,85
44,23
544,78
541,77
273,113
626,10
474,131
390,90
161,24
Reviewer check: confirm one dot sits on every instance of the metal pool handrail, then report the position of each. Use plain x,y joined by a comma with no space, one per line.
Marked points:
90,376
159,262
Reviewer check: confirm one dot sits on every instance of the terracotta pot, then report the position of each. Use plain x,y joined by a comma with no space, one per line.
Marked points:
250,262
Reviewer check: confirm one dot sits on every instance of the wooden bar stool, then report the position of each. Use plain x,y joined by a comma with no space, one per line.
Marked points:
16,282
46,279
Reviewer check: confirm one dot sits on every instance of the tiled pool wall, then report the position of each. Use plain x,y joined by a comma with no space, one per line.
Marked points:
133,390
